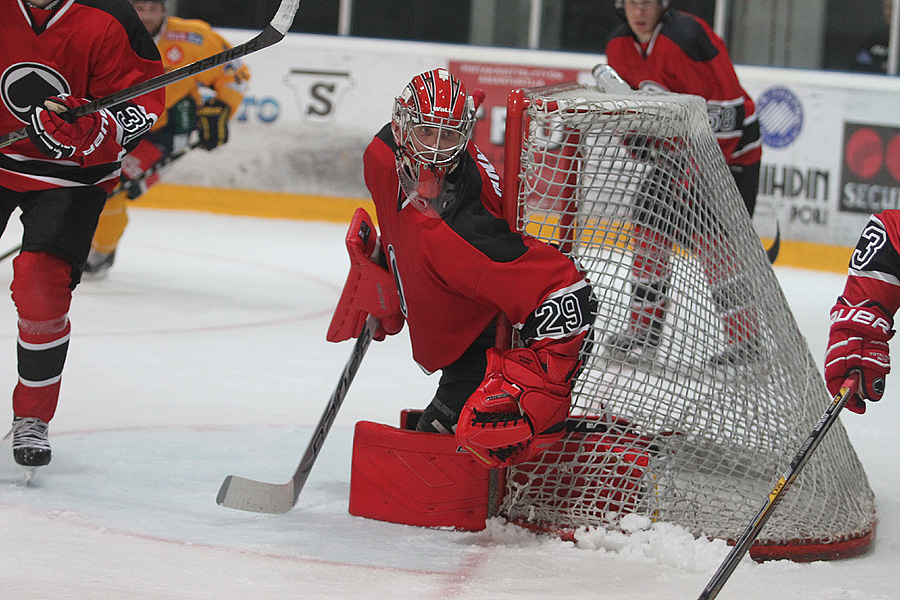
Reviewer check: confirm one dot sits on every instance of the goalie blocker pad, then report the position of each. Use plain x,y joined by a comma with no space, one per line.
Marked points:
370,289
411,477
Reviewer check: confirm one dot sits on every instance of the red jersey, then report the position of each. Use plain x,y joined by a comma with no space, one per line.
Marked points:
457,272
685,56
85,48
874,272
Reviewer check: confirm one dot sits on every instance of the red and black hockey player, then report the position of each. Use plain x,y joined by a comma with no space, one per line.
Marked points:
666,49
862,320
56,54
658,48
458,267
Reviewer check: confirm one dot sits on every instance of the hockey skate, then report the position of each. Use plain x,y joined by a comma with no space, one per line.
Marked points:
30,445
635,345
738,354
98,264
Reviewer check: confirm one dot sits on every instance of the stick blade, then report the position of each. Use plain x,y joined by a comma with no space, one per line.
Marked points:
256,496
284,17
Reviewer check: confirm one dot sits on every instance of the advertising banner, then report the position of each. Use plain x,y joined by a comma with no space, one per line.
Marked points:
830,140
831,152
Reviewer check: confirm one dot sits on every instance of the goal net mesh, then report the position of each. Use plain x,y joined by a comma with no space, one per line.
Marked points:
698,387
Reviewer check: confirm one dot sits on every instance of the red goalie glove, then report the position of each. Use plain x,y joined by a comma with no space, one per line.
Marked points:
60,138
858,341
519,410
370,289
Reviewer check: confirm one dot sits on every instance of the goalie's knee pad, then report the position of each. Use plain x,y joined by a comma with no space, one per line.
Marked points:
41,287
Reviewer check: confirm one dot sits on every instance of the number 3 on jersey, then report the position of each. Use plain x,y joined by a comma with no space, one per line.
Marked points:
871,240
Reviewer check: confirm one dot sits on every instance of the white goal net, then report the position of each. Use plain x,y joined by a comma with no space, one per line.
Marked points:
698,388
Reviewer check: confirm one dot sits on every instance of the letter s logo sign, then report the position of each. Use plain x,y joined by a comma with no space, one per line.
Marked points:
322,95
318,93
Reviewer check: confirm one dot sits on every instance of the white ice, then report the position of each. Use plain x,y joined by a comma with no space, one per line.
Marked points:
203,355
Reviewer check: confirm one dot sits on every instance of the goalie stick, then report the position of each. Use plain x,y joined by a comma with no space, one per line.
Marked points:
278,498
274,32
781,487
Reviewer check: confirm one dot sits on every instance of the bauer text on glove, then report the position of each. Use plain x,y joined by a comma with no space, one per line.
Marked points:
859,341
58,136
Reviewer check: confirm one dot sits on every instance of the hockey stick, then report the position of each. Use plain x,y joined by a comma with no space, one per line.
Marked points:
278,498
772,251
154,169
158,167
273,33
781,487
10,252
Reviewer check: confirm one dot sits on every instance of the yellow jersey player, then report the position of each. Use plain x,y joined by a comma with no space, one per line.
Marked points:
180,42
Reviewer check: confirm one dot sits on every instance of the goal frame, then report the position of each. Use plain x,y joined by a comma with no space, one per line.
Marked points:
518,102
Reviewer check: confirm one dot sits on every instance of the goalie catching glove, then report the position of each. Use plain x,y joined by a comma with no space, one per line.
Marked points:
520,408
859,342
58,136
370,289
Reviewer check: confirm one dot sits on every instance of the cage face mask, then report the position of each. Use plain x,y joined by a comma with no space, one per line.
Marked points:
432,123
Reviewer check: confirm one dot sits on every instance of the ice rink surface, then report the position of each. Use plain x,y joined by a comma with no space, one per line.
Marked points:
203,354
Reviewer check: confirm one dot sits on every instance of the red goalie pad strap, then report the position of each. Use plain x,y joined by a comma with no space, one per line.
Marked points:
369,290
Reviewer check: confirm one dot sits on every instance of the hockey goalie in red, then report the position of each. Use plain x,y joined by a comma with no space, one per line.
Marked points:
456,267
58,54
862,320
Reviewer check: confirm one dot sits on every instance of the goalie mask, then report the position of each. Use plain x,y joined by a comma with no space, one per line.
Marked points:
432,122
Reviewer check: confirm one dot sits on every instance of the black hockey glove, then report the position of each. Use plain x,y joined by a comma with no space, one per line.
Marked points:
212,123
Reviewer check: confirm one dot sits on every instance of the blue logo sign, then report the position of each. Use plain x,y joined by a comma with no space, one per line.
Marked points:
780,117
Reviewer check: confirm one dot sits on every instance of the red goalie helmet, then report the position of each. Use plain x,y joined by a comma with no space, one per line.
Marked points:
432,122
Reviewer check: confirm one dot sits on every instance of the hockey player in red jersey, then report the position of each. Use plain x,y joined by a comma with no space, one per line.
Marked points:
666,49
458,268
57,54
862,319
658,48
